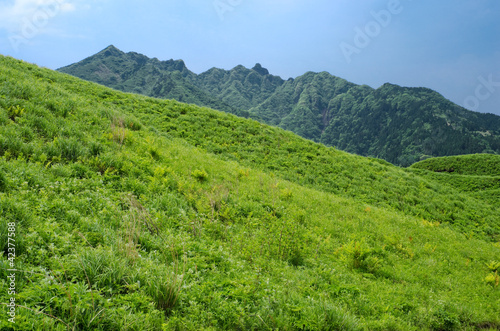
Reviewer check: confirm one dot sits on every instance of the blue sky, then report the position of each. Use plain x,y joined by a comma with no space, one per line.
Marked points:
450,46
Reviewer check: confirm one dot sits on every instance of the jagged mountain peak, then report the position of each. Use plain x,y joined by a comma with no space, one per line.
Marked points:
258,68
111,50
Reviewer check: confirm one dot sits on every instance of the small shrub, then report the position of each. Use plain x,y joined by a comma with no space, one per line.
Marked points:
493,279
69,149
200,175
94,238
133,124
494,266
359,256
242,173
446,319
14,112
296,257
155,154
95,149
60,170
80,170
286,194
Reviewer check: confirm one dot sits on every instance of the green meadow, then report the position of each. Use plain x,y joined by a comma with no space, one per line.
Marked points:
132,213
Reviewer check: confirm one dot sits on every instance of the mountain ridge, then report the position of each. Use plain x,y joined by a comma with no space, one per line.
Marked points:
399,124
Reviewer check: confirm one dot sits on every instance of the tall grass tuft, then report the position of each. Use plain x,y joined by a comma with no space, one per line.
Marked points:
164,286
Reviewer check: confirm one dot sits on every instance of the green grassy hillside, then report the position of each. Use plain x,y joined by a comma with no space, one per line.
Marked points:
478,174
131,213
475,165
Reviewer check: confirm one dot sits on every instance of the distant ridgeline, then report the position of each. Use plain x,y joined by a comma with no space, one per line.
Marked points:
401,125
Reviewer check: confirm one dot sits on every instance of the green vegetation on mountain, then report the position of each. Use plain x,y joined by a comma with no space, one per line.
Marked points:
403,125
133,213
301,105
479,165
133,72
240,87
400,125
479,175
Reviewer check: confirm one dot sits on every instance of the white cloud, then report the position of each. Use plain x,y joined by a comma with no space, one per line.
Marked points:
24,20
13,14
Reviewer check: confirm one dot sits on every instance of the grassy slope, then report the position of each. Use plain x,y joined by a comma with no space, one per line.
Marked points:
309,164
478,175
473,165
271,232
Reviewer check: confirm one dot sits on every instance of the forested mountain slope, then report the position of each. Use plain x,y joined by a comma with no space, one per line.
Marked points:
400,125
133,72
403,125
240,87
